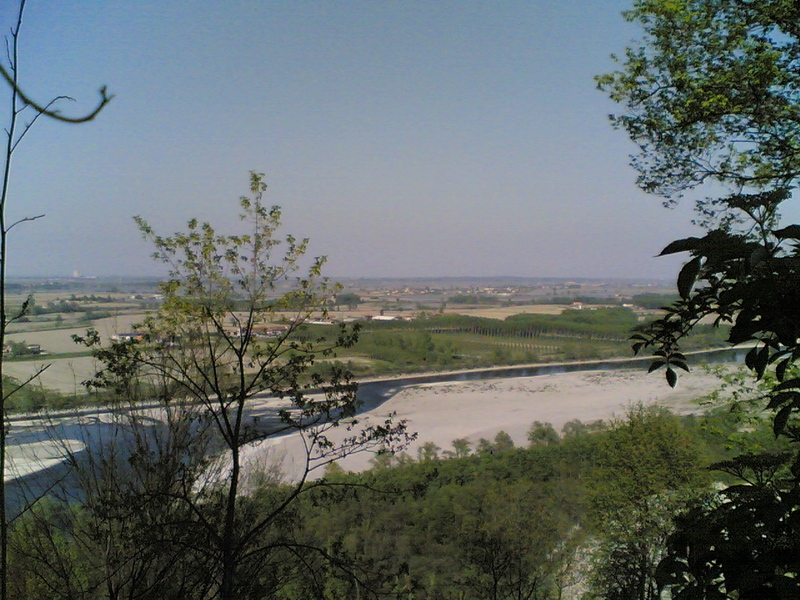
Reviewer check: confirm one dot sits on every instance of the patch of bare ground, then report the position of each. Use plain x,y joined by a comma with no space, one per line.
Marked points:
62,374
502,312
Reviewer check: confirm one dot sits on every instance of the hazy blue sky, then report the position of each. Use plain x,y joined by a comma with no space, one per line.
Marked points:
404,138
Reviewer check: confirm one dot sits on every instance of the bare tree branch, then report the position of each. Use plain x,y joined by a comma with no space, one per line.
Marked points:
105,98
24,220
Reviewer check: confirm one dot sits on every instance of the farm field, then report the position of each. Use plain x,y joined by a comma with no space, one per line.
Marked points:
440,343
59,341
62,375
501,312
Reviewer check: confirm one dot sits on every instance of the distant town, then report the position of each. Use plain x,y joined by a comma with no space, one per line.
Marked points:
403,295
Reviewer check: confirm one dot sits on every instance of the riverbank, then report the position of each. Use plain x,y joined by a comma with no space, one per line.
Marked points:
439,407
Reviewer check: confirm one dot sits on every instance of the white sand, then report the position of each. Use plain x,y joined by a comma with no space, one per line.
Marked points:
24,459
440,413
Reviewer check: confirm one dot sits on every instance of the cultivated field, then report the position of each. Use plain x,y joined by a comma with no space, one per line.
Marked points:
502,312
64,374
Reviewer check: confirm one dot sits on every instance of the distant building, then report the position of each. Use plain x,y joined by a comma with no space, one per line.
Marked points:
127,337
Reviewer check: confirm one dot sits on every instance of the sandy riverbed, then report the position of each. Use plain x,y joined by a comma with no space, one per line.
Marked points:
442,412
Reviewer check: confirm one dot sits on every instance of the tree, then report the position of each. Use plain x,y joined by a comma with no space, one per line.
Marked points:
542,434
110,528
710,95
462,447
646,466
509,541
349,299
16,129
711,101
502,443
202,354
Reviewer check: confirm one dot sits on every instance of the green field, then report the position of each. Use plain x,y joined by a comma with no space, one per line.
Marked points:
462,342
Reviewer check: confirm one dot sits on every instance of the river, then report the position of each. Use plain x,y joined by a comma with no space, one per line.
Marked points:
37,461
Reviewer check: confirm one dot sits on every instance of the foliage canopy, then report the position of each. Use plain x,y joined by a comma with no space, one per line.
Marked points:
712,101
712,94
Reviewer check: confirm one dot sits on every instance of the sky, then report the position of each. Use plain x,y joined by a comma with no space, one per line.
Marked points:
405,139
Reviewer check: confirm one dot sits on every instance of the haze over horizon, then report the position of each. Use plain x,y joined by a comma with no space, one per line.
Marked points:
405,139
78,276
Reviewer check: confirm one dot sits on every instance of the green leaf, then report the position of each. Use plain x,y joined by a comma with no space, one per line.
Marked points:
780,370
684,245
789,384
791,231
687,276
672,377
680,364
782,398
762,360
656,364
781,419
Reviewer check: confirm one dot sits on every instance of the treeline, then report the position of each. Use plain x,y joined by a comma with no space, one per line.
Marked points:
584,514
474,299
93,298
654,301
462,342
610,322
61,307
